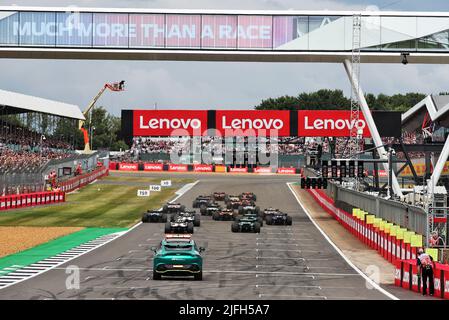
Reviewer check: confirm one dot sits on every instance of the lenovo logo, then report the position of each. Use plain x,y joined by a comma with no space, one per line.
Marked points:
332,124
258,124
164,123
325,123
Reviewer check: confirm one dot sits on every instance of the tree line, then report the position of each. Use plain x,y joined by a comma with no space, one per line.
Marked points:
326,99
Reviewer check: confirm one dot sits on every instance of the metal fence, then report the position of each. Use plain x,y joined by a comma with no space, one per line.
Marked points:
407,216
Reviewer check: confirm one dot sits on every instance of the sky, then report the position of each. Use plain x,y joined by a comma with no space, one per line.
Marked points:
213,85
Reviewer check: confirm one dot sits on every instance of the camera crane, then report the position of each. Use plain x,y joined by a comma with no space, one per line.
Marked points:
115,87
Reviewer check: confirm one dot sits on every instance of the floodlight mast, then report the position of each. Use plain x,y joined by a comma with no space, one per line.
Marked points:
115,87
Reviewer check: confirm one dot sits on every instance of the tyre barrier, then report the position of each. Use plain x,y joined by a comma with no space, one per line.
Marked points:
395,244
17,201
157,167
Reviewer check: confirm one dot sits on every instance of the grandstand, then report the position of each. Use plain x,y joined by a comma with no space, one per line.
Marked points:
34,132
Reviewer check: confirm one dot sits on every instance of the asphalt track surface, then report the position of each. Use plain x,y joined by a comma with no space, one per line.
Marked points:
282,262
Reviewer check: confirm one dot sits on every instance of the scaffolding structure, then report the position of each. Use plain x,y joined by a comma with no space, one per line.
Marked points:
354,143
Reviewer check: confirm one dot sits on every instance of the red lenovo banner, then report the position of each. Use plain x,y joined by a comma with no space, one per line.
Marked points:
262,170
177,167
253,122
327,123
169,122
153,167
128,166
286,170
282,123
202,168
238,170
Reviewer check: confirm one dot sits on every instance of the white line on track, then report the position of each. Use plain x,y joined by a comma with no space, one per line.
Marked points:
368,280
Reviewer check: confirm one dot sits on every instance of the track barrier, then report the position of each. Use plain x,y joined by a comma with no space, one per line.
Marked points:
123,166
18,201
82,180
397,245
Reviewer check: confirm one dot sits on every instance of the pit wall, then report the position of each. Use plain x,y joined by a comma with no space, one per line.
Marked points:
397,245
159,167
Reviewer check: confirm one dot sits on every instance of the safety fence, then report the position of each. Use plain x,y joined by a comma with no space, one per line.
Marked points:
82,180
397,245
16,201
155,167
400,213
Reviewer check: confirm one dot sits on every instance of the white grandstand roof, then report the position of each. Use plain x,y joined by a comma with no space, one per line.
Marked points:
24,102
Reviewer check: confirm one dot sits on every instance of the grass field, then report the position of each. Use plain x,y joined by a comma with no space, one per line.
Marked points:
102,204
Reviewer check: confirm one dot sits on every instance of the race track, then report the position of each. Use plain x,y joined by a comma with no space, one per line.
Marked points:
282,262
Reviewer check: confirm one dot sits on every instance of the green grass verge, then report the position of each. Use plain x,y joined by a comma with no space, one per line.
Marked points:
96,205
52,248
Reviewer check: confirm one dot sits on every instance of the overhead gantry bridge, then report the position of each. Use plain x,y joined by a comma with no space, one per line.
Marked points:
217,35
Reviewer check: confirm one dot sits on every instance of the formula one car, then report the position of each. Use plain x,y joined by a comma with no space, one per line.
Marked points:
248,206
245,224
250,215
274,216
154,216
233,202
179,225
248,196
224,215
201,200
173,207
189,216
209,209
219,196
177,255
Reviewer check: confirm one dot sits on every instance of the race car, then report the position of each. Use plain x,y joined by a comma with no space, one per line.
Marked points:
245,224
173,207
248,195
251,215
154,216
177,255
179,225
201,200
219,196
189,216
224,215
233,202
277,217
209,209
268,211
248,207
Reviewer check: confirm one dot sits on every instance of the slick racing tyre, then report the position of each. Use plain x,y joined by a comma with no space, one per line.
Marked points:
257,227
216,216
197,220
144,218
167,227
190,228
235,227
164,218
289,221
268,220
203,209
